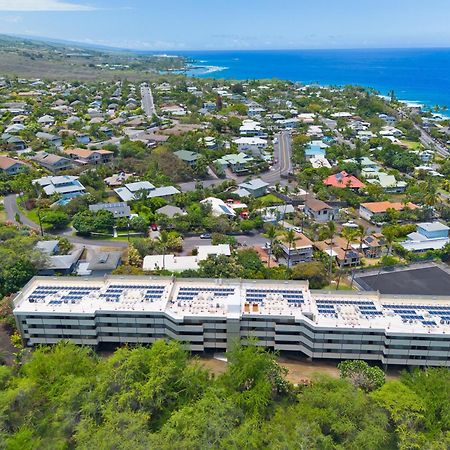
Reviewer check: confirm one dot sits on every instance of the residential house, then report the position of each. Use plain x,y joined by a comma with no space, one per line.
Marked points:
368,210
52,162
346,254
373,245
299,251
52,139
119,210
320,211
46,120
13,143
55,264
238,163
188,157
253,145
428,236
85,156
11,166
250,128
174,110
176,263
66,186
343,180
274,214
170,211
388,182
132,191
253,188
218,207
83,138
288,124
103,263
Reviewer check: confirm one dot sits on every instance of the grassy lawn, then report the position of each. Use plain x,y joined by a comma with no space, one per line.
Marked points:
413,145
270,199
344,286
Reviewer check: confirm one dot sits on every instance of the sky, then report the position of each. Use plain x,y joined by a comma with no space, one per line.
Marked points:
232,24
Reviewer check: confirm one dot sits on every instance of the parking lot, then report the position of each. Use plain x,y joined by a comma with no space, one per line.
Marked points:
431,280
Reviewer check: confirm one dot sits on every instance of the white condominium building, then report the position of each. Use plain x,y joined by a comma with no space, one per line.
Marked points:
209,314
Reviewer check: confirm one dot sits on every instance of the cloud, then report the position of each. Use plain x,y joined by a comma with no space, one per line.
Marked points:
42,5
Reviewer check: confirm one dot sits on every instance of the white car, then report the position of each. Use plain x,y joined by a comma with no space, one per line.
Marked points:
297,230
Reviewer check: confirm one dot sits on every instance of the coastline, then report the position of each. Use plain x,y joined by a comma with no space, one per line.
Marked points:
383,70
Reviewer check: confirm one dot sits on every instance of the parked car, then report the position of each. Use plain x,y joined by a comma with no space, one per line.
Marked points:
205,236
297,230
154,227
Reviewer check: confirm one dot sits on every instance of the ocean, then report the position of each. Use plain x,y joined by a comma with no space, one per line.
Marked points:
421,75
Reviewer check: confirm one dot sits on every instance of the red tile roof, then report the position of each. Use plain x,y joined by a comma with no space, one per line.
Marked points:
343,180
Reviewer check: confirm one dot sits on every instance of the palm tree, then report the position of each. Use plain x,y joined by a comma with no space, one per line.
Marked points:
361,233
290,240
331,231
271,234
389,237
349,234
431,196
163,241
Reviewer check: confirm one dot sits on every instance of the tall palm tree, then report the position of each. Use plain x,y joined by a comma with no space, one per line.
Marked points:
431,196
290,240
389,237
163,240
361,233
271,234
331,231
349,234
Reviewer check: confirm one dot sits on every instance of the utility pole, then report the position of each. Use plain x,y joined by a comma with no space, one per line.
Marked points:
40,221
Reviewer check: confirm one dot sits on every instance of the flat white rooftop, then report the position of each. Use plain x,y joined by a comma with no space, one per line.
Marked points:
235,299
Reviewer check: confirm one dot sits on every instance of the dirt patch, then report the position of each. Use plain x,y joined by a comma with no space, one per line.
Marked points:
299,371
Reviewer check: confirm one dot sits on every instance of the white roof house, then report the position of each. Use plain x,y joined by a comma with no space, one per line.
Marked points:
176,263
65,185
219,207
131,191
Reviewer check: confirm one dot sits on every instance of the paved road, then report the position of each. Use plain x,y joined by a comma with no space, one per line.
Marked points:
428,141
147,101
11,209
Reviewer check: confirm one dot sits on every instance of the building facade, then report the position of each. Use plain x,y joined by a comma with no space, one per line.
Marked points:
212,314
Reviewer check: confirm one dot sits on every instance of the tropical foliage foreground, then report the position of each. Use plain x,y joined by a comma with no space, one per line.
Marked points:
67,397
